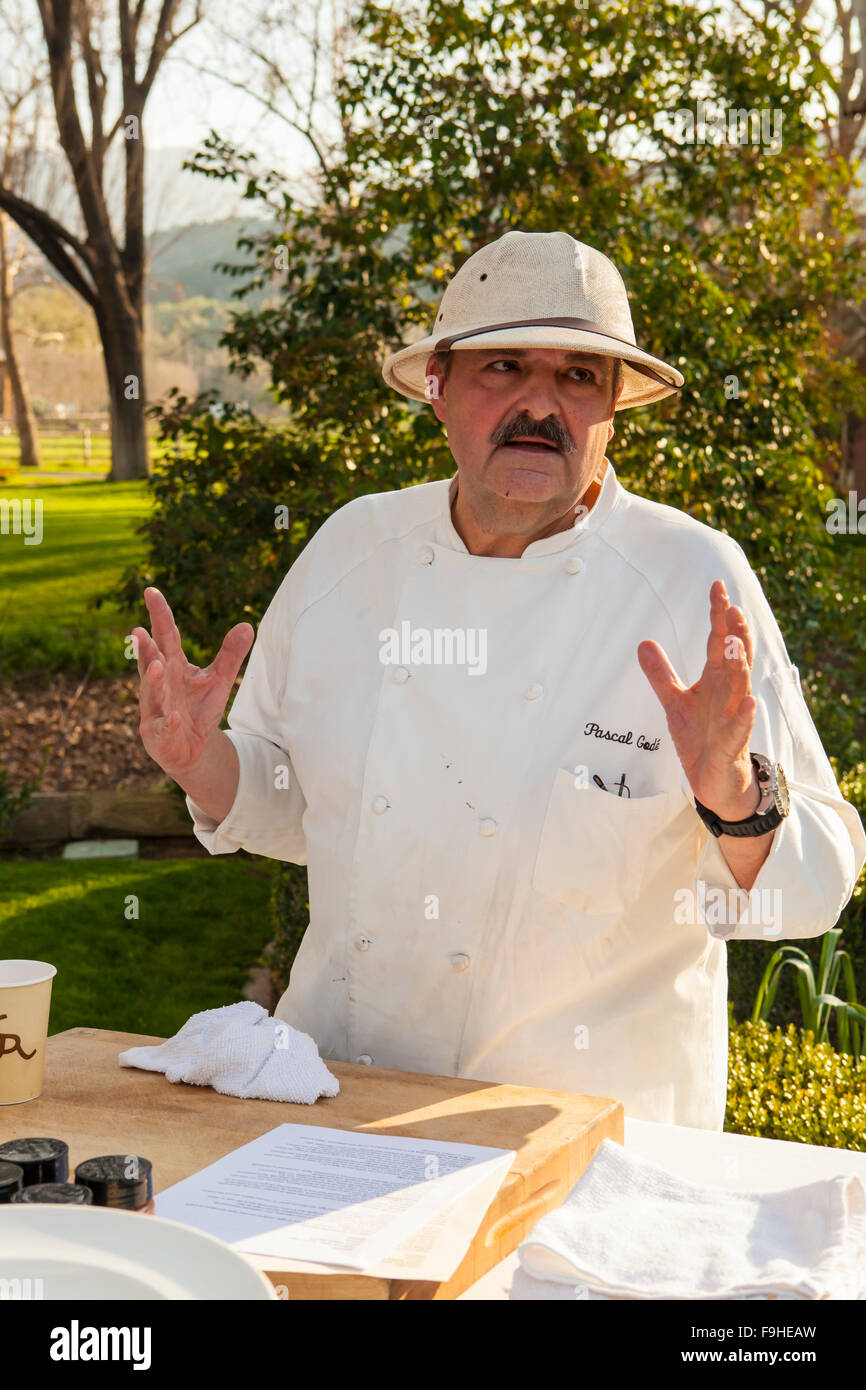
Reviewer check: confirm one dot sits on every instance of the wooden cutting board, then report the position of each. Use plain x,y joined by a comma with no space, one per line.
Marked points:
99,1107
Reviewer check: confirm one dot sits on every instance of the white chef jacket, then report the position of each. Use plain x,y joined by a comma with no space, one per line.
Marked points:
478,906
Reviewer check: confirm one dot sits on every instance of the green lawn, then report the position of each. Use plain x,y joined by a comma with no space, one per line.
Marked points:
59,451
88,539
202,923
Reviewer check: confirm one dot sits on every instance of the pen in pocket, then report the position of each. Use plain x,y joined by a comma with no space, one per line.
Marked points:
622,788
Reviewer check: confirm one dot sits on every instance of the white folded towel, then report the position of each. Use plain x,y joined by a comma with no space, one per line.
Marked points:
240,1051
631,1229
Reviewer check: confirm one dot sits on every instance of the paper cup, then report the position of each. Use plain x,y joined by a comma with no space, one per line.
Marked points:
25,999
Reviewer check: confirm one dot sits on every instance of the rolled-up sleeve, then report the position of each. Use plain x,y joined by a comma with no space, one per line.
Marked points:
266,816
819,850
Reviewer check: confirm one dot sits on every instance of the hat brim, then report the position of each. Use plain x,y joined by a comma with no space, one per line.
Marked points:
406,369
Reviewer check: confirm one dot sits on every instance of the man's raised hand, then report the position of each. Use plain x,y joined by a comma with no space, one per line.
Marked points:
711,721
181,705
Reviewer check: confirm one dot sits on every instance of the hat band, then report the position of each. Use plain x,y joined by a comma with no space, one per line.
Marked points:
585,325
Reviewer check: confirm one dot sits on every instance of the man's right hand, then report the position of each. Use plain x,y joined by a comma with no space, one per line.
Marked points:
181,705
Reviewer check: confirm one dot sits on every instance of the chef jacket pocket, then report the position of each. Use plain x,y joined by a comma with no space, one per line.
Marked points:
594,845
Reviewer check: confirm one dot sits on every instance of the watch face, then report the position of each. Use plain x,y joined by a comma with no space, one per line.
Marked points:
783,800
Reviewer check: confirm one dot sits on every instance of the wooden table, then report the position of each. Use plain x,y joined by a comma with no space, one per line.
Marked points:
99,1107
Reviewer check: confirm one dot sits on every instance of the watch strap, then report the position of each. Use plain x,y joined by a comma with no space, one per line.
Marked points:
746,829
758,823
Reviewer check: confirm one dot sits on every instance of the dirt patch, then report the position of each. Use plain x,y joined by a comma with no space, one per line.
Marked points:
85,732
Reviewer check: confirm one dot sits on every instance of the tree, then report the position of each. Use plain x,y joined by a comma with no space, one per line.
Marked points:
841,114
289,59
105,270
22,409
842,27
22,80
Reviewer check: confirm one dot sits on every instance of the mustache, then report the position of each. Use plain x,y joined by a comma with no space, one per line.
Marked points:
550,430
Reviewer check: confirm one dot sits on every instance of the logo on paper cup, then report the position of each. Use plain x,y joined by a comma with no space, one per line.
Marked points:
15,1040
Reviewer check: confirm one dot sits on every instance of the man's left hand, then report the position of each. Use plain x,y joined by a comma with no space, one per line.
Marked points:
711,721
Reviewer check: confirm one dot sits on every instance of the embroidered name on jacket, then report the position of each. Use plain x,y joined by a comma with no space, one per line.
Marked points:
598,732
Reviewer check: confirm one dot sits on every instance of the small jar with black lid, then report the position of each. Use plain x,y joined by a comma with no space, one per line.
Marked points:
42,1160
11,1180
124,1181
71,1193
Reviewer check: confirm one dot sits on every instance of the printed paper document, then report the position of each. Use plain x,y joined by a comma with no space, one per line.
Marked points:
381,1203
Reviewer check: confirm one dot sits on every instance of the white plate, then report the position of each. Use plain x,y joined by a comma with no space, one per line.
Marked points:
99,1253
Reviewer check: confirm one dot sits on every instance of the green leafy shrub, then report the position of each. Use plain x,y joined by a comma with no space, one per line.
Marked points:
748,960
784,1085
290,914
235,500
12,802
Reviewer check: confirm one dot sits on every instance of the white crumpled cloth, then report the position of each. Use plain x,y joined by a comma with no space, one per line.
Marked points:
240,1050
630,1229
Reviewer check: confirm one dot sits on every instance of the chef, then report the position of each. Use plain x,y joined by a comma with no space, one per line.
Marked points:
537,739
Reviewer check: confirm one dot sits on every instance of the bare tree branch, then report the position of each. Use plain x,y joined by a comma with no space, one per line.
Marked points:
273,110
52,239
164,39
96,84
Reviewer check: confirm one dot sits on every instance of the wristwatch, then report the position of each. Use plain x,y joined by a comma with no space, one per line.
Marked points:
772,808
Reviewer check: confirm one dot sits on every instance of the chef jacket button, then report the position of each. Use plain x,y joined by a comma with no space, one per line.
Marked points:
362,942
401,675
534,691
365,1059
380,804
426,555
460,961
487,826
574,564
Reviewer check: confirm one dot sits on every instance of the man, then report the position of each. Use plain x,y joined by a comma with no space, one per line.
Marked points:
487,714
